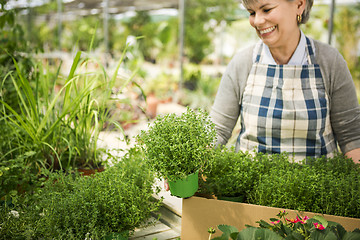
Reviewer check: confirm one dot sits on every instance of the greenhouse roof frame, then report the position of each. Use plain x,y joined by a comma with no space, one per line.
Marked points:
116,6
90,7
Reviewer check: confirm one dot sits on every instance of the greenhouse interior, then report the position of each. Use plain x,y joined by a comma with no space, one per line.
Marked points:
104,103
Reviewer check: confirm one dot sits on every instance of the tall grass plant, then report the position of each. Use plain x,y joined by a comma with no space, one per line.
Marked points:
56,130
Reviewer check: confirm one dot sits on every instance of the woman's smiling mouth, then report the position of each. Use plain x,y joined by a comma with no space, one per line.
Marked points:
267,30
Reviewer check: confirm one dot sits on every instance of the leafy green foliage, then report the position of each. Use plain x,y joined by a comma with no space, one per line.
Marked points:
234,174
176,146
227,232
224,166
323,185
17,177
328,186
78,207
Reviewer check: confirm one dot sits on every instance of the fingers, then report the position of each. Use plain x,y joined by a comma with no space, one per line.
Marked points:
166,185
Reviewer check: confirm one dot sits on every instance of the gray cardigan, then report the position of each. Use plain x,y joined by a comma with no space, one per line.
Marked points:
344,106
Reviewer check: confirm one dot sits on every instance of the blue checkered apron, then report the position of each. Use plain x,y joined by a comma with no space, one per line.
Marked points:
285,108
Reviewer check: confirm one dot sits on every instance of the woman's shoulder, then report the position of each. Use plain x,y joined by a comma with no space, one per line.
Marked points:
325,52
242,59
245,53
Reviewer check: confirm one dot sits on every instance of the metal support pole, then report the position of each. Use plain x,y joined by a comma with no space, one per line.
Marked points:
29,21
59,14
331,20
222,40
181,40
106,30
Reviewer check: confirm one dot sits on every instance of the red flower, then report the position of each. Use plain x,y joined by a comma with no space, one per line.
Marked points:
319,226
276,222
297,219
303,221
293,220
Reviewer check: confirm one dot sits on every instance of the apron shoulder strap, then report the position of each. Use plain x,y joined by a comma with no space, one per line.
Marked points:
257,52
310,51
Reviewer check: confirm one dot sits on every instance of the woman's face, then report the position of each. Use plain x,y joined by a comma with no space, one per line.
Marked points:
275,21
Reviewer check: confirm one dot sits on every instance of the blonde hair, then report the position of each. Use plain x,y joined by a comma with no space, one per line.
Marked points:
305,15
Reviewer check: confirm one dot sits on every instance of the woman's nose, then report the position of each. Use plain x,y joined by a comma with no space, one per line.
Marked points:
259,19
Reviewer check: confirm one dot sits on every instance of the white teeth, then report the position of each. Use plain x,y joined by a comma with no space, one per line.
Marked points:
267,30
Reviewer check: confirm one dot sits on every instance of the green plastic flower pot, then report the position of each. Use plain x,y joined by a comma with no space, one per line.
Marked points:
185,188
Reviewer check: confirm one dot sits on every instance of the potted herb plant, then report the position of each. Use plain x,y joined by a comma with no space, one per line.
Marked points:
232,175
323,185
176,147
224,166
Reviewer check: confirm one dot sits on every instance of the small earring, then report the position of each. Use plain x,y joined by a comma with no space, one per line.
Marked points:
299,18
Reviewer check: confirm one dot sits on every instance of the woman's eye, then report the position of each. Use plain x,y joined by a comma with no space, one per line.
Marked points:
267,10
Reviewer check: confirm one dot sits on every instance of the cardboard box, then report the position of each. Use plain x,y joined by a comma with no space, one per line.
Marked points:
198,214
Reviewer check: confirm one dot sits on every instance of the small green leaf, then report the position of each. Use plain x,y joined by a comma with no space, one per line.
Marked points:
258,234
351,236
227,229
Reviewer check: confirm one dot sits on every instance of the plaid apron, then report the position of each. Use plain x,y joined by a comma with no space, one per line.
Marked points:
285,108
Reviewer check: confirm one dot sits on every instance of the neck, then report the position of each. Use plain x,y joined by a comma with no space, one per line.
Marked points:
283,54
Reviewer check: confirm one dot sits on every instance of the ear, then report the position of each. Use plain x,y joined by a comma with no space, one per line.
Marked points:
301,4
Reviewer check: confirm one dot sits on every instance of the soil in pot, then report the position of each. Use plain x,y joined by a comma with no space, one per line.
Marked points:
89,172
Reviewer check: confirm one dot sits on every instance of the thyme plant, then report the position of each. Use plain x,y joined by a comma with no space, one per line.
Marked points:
178,145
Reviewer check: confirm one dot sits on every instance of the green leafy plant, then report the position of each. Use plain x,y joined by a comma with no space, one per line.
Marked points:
70,206
40,121
234,175
300,228
224,166
176,146
34,136
323,185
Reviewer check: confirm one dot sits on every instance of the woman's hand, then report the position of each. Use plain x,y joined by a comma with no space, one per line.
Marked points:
166,185
354,154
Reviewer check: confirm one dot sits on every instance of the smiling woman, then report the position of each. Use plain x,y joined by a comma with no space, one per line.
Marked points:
276,25
292,93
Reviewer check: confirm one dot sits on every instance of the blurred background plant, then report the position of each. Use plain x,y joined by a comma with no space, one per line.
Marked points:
199,88
347,31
